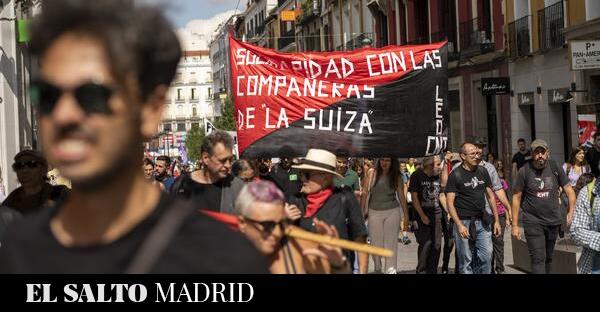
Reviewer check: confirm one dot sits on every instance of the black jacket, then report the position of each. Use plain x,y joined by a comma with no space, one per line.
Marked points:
340,210
7,216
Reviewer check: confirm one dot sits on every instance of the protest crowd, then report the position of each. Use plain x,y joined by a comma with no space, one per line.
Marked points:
90,203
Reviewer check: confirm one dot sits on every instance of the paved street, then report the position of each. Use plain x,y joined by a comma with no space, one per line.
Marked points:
407,260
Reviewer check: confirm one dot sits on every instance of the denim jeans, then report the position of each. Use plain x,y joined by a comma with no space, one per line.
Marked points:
474,256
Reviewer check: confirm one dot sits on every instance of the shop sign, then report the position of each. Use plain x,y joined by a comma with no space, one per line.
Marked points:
526,98
557,96
585,54
495,86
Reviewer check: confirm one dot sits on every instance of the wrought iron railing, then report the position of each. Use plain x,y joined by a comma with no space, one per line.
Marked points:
519,34
551,22
474,32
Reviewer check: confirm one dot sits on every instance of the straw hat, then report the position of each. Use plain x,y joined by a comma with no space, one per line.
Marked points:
319,160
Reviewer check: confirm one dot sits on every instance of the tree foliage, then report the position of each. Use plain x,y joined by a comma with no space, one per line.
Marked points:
193,143
227,120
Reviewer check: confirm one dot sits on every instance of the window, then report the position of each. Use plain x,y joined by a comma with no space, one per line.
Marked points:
179,98
167,127
180,126
210,93
194,111
193,94
195,125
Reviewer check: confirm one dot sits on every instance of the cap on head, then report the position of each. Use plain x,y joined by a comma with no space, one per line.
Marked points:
32,153
539,143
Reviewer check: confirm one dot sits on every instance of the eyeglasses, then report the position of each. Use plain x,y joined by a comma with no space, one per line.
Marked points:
20,165
266,226
92,97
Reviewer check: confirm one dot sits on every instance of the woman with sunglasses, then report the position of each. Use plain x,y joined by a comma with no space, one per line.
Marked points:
385,202
320,199
35,192
262,219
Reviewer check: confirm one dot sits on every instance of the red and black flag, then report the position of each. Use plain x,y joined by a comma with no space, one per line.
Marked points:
369,102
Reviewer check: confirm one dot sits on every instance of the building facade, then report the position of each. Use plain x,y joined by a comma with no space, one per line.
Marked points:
540,70
189,101
523,42
586,90
18,127
255,20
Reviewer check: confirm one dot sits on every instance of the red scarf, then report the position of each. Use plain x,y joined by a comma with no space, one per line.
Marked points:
316,201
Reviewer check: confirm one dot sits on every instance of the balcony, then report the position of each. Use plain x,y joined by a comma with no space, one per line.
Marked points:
551,22
442,35
356,42
286,39
519,38
195,100
180,101
256,32
310,10
475,37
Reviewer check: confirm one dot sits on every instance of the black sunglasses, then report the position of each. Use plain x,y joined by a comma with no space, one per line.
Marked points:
92,97
308,174
266,226
19,165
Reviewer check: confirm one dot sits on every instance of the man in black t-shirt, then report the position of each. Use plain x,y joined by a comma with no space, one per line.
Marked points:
520,158
425,192
466,191
539,183
213,187
592,156
98,100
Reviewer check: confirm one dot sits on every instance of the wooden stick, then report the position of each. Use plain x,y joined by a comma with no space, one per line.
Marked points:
337,242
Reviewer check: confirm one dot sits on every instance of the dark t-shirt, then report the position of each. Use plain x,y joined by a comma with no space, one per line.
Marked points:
521,159
31,204
201,245
428,189
592,156
470,189
540,193
207,196
287,181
